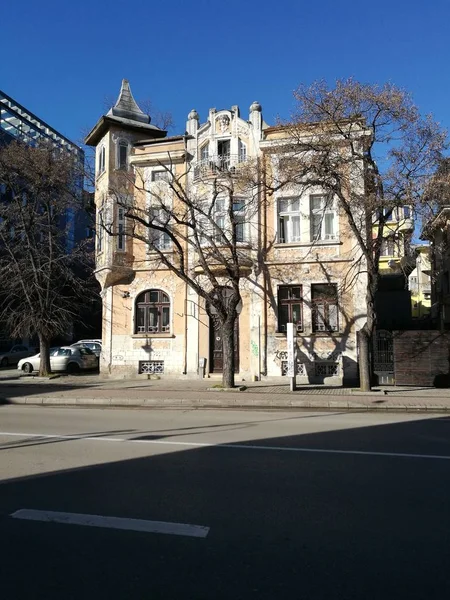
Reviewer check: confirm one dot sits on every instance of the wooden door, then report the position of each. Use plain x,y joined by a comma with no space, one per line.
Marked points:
216,345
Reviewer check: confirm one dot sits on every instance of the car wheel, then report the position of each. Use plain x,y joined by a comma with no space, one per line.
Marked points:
4,362
73,368
27,368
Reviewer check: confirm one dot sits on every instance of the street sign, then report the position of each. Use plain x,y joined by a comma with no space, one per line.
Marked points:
291,353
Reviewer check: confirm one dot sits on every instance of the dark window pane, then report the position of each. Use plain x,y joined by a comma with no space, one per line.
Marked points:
296,293
296,315
283,293
140,322
324,291
283,316
154,295
164,297
123,154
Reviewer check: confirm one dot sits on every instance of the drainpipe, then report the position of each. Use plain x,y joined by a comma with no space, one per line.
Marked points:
263,257
111,330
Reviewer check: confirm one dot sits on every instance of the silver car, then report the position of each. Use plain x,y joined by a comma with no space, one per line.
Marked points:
94,345
65,358
13,355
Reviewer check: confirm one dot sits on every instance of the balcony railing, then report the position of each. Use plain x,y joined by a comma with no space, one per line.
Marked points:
215,165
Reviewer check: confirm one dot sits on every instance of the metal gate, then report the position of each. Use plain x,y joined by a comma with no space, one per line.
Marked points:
383,358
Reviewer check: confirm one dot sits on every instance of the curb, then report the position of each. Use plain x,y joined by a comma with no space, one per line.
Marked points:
226,403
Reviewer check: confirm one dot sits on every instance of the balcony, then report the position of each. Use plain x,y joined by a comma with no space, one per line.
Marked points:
212,166
115,268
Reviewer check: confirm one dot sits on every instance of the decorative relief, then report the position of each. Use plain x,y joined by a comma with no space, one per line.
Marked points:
223,122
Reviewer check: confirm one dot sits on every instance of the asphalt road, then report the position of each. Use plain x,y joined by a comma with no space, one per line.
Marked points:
291,505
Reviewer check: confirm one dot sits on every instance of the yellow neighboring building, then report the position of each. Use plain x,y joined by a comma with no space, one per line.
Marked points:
420,283
396,245
297,253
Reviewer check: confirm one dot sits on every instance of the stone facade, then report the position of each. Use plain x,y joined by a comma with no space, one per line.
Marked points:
287,270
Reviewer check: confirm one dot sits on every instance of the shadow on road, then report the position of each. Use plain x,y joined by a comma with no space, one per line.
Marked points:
283,518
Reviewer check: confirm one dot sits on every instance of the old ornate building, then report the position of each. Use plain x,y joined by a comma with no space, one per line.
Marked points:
297,255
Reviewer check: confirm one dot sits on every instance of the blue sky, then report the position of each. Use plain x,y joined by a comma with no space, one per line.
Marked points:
61,60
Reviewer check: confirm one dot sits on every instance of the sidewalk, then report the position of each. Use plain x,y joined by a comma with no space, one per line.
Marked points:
192,393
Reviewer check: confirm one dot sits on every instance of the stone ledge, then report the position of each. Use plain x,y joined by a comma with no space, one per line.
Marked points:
219,402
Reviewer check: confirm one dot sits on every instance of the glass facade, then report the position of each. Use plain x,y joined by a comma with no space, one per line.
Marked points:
19,123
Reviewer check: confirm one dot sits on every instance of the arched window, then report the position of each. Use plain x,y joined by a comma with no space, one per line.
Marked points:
122,154
152,312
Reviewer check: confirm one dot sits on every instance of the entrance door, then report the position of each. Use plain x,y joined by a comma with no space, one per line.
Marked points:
216,345
383,358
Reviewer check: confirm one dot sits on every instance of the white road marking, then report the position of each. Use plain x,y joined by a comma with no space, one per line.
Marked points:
66,518
226,445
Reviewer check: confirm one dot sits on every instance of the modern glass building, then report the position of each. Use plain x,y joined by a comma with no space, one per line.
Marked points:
16,122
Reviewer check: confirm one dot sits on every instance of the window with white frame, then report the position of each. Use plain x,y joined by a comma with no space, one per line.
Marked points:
160,175
101,160
323,218
204,153
242,151
220,219
122,154
120,228
388,246
159,239
288,220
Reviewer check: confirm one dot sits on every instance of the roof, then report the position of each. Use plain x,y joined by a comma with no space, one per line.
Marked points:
125,114
172,138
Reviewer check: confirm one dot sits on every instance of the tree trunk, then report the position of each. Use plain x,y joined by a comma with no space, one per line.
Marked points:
44,350
366,335
228,351
364,360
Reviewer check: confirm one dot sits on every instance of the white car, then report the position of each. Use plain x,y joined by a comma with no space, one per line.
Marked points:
13,355
65,358
94,345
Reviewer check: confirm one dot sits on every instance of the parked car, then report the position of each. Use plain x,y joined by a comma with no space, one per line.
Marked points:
94,345
65,358
13,355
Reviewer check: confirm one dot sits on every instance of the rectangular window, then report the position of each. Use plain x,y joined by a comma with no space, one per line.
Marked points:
242,151
388,246
323,218
100,231
324,305
290,307
406,212
101,160
288,220
120,229
240,220
159,239
162,175
123,155
204,153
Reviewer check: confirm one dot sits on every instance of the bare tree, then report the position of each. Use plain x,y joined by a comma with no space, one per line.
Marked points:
368,147
204,233
45,275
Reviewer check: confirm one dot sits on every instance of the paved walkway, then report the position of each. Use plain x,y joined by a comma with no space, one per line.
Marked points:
193,393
